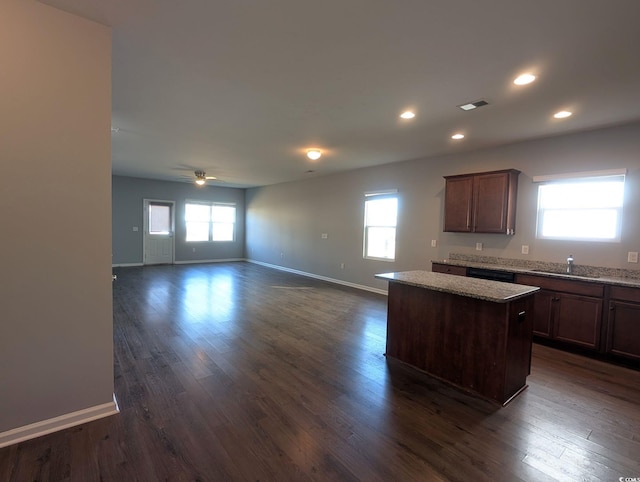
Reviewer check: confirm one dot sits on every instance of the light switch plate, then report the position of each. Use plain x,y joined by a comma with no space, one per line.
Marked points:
525,249
632,257
434,243
325,235
478,246
135,228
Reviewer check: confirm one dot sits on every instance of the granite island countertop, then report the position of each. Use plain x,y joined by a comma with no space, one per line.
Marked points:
495,291
587,274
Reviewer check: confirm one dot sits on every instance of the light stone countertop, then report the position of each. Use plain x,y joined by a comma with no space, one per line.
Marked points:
495,291
552,270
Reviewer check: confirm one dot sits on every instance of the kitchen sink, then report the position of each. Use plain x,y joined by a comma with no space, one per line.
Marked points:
564,273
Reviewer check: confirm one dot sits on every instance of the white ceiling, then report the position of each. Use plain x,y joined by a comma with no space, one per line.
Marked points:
242,88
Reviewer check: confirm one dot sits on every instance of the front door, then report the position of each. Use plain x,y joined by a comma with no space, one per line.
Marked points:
158,232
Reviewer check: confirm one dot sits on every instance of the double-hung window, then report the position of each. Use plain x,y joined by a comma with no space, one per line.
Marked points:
210,221
380,219
581,207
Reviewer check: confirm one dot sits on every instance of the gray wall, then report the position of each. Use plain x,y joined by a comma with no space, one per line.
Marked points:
285,222
56,333
128,198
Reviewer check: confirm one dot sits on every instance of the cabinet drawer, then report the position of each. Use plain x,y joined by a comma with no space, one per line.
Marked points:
625,294
448,269
563,285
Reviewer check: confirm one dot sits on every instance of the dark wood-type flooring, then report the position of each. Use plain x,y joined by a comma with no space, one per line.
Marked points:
240,372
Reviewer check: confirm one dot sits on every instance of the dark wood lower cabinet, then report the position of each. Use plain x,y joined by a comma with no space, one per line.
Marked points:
567,311
624,329
623,326
577,319
542,312
581,315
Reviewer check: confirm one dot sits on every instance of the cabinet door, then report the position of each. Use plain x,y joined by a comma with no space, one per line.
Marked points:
490,203
623,336
542,313
577,319
458,197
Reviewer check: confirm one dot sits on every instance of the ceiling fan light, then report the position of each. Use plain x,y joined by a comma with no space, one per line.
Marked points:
200,182
314,154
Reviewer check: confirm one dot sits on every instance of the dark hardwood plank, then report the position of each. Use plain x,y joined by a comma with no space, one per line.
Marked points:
234,371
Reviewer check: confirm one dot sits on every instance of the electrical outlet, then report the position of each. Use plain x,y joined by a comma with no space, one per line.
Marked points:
478,246
325,235
434,243
194,250
135,229
632,257
281,255
341,265
525,249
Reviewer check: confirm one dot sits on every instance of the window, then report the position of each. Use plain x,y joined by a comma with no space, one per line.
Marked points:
210,222
159,219
380,217
583,208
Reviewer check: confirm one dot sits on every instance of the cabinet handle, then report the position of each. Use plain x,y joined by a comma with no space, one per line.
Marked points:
612,308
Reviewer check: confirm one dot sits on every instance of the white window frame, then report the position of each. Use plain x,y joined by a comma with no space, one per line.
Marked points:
211,221
617,175
375,195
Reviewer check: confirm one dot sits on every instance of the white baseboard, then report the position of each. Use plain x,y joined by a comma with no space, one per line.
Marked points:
323,278
62,422
194,261
274,266
205,261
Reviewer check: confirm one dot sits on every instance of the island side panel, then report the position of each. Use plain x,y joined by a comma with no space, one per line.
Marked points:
408,334
519,340
459,339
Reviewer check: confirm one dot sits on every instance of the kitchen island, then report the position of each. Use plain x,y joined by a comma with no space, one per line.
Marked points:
473,333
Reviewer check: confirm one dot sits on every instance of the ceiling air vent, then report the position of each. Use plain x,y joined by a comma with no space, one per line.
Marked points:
473,105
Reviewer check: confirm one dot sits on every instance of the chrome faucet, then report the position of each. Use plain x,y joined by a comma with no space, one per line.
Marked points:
570,264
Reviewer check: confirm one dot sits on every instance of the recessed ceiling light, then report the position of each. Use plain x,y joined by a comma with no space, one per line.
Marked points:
563,114
407,115
524,79
314,154
457,136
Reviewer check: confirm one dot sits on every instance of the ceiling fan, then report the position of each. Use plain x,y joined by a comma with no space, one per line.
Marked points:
202,178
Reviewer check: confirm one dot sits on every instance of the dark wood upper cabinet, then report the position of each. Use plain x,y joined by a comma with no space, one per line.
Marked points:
481,202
